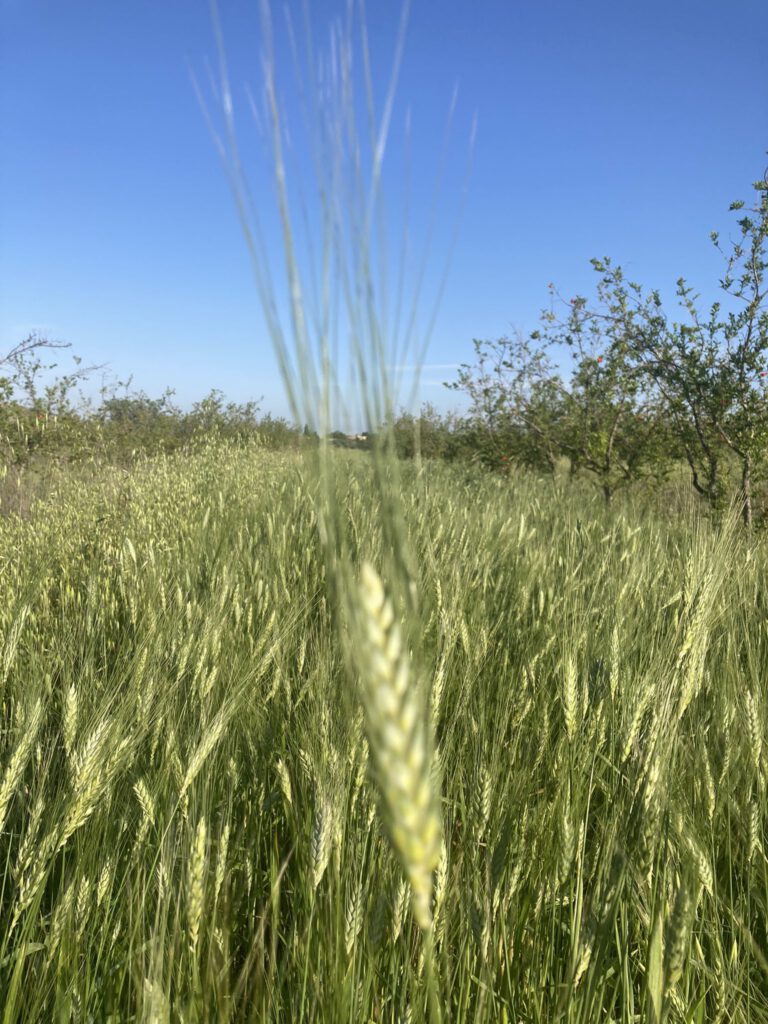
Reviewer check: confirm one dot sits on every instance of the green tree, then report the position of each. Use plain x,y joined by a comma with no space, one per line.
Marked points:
611,424
743,363
37,410
711,371
594,412
516,404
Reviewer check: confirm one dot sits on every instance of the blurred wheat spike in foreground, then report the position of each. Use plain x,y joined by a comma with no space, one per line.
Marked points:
399,741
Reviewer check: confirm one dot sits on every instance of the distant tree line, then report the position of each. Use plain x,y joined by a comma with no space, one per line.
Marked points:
612,389
44,416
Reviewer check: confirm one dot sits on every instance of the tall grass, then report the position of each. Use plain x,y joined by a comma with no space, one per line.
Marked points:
338,740
190,827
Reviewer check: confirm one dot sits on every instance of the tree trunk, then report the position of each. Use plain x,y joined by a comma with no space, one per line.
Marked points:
746,491
713,483
607,493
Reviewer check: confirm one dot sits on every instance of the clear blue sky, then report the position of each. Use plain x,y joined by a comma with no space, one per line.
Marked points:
618,128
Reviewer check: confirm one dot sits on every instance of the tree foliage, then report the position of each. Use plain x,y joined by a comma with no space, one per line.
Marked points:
624,391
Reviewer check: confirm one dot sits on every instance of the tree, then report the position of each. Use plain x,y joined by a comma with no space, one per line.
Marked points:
712,372
599,417
703,381
515,402
20,371
743,364
32,343
624,391
612,426
31,401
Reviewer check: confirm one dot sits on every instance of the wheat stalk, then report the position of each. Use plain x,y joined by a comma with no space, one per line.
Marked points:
19,759
400,743
195,883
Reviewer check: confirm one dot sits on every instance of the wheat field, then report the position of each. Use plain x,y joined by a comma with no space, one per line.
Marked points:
538,794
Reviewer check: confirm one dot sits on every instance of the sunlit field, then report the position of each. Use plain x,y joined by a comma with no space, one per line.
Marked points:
192,831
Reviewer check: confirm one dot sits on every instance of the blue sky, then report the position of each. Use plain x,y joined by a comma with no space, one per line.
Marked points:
604,128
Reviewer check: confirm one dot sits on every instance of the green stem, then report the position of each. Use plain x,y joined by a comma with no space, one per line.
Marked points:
433,980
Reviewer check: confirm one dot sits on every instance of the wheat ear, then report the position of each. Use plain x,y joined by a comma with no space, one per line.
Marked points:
399,743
